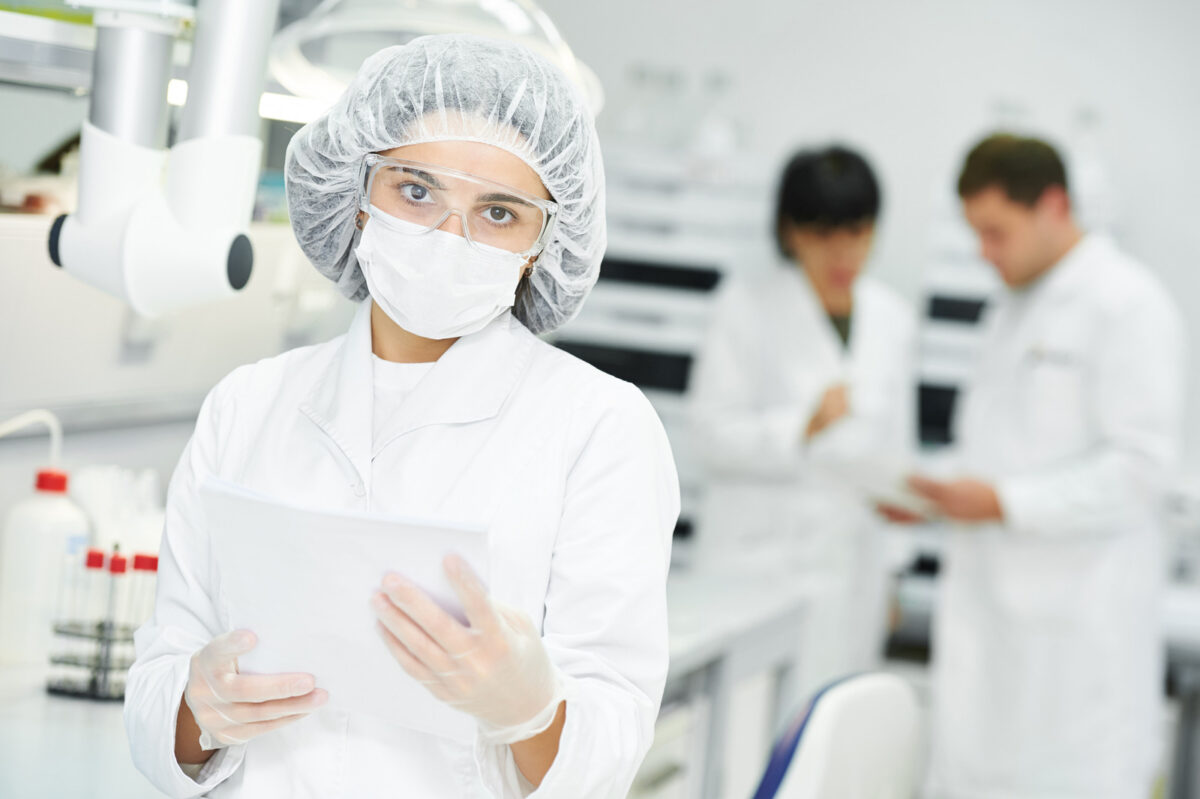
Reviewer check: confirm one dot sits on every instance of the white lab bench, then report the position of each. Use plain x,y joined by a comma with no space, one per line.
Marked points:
53,747
726,628
723,628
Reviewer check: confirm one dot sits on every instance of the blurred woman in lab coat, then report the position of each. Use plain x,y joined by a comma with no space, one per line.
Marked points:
806,373
456,191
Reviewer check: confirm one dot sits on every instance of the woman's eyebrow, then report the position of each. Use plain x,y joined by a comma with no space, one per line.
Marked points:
502,198
425,176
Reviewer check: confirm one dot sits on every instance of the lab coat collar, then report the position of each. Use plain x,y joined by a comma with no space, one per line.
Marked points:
1072,267
469,383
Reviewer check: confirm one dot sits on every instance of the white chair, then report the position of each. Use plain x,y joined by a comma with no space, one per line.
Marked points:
858,738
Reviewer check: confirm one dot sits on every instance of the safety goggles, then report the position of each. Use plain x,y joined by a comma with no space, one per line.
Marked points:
492,214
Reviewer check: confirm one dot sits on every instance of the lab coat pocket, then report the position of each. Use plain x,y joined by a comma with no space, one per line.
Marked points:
1053,394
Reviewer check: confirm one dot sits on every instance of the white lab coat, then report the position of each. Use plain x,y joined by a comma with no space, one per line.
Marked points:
1048,661
568,468
770,354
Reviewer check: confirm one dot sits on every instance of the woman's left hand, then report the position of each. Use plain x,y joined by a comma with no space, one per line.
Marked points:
496,669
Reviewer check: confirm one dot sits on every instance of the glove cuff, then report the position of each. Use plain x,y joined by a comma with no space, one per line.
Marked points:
536,725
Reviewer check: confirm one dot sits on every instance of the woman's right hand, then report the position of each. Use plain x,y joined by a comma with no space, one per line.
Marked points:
231,708
835,403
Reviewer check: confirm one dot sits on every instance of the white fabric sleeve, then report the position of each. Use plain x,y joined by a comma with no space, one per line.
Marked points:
734,430
1138,390
185,619
605,623
193,769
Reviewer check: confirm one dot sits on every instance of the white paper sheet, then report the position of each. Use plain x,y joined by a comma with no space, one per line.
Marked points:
302,581
882,480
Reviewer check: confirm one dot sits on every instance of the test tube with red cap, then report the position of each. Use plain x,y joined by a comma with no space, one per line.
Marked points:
91,604
95,585
118,592
71,611
141,605
111,646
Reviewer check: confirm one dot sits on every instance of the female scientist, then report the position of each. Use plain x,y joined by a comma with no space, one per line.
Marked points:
456,189
806,377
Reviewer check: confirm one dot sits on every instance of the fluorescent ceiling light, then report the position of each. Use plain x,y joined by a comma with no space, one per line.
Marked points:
272,105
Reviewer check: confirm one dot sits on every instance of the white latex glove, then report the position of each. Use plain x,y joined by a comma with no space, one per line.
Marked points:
496,669
231,708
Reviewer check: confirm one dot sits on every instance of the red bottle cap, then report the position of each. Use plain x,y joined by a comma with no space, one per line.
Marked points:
95,559
51,480
117,563
147,563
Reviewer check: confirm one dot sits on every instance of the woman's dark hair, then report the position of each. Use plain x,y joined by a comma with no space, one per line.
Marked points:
829,188
1022,167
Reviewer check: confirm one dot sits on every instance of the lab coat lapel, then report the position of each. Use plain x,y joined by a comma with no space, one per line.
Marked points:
342,402
812,330
866,321
469,383
1024,313
1015,322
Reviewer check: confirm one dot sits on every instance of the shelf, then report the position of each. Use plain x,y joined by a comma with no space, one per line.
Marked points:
46,53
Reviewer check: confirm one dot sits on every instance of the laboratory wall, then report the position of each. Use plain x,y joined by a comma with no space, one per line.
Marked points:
913,84
57,116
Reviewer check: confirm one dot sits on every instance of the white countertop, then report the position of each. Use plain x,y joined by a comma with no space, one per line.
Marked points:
706,610
62,748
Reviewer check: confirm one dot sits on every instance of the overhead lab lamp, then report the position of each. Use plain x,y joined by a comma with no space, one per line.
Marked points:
166,228
318,55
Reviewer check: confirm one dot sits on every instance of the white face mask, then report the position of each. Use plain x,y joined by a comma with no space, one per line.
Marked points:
436,284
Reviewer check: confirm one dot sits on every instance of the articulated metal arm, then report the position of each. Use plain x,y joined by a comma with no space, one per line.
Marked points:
163,229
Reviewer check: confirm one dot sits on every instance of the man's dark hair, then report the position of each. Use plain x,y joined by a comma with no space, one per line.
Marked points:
1022,167
828,188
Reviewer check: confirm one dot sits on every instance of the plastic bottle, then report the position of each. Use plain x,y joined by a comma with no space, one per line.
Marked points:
68,648
37,534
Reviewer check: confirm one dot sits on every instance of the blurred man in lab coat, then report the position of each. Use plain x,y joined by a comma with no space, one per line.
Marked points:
807,367
1048,660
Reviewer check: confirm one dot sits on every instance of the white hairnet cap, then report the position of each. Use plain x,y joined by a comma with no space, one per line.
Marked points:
457,87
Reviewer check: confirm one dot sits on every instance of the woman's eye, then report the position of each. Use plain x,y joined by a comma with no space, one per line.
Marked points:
415,192
499,215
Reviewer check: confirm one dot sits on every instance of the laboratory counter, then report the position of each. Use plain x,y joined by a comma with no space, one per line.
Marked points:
722,628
